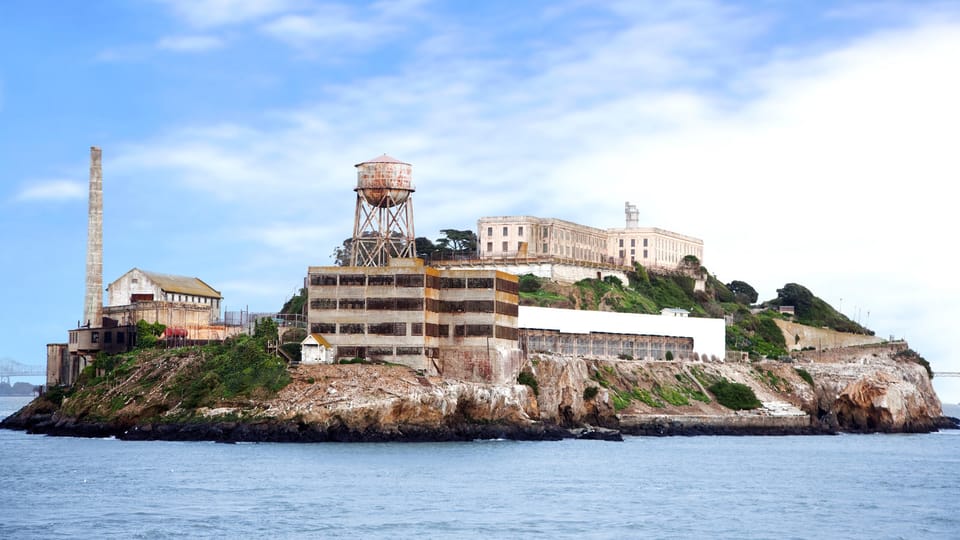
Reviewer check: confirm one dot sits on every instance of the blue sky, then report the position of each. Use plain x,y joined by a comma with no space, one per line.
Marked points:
808,142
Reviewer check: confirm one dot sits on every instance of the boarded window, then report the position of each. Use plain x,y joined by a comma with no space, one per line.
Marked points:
351,328
507,308
409,280
509,287
474,330
505,332
381,303
387,329
351,303
432,330
380,280
323,303
353,279
416,329
480,283
323,279
380,351
323,328
444,330
409,351
478,306
409,304
433,282
451,306
452,283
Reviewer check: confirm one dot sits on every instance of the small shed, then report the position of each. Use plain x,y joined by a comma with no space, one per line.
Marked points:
314,349
674,312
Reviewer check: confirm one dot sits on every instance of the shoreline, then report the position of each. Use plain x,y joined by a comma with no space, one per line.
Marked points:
298,432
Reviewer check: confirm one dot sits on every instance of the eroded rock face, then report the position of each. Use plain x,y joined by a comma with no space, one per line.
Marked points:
870,389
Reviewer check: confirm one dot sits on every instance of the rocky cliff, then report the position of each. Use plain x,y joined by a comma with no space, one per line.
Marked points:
860,389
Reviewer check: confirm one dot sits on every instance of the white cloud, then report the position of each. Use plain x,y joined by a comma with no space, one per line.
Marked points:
823,167
213,13
190,43
52,190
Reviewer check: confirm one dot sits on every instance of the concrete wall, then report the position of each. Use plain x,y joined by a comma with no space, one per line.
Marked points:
196,318
820,338
552,269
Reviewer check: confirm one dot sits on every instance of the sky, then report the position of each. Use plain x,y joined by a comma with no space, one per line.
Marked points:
809,142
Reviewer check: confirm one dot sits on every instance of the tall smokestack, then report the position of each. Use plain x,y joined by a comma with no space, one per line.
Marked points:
93,300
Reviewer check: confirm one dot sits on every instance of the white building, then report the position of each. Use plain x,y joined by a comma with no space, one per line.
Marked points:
708,335
314,349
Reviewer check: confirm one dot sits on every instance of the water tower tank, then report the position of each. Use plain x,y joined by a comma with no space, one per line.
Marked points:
384,181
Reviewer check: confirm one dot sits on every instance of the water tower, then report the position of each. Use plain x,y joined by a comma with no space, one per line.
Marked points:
383,223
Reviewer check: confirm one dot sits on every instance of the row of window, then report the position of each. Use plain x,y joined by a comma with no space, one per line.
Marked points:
584,344
417,304
416,329
382,350
410,280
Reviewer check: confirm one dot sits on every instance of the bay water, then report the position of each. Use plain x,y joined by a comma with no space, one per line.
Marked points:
845,486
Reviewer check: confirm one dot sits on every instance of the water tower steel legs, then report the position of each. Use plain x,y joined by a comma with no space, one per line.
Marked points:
382,232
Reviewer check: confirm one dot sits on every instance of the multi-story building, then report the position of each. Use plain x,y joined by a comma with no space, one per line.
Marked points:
533,238
455,323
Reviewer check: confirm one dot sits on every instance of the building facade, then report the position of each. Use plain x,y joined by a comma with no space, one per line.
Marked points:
533,238
456,323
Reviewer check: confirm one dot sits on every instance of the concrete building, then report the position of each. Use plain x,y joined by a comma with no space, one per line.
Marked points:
533,238
604,333
456,323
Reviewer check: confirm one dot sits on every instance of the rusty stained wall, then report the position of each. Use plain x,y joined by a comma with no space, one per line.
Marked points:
195,318
345,303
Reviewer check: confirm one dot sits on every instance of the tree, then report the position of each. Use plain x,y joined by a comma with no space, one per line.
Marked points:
341,254
265,329
743,293
425,248
798,296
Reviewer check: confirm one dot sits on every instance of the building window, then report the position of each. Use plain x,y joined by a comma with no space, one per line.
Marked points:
644,242
622,254
519,246
120,338
489,231
504,247
506,231
108,337
520,230
633,242
545,248
644,254
621,242
94,337
489,246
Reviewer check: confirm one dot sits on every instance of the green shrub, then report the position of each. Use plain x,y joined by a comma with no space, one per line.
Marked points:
805,375
625,356
734,396
590,392
669,355
527,378
529,283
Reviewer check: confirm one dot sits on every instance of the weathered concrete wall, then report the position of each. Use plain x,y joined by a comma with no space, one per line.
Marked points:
742,420
549,269
820,338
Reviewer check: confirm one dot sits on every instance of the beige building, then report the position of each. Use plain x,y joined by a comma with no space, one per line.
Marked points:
456,323
179,302
533,238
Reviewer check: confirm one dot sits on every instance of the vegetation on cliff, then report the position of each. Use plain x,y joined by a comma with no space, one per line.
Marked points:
143,383
752,329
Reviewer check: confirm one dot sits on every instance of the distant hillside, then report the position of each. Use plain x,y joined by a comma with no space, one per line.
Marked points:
753,329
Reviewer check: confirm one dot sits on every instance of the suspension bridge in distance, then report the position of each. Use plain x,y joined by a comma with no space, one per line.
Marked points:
12,368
